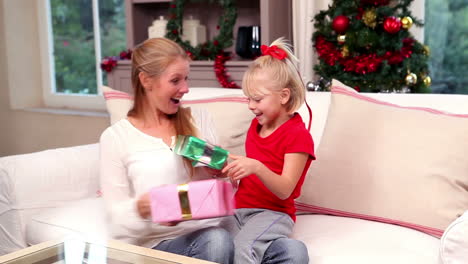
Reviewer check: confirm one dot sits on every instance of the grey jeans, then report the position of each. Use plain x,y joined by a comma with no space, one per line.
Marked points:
254,230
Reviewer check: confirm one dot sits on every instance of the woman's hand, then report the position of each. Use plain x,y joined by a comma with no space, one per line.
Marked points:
144,209
213,172
241,167
144,206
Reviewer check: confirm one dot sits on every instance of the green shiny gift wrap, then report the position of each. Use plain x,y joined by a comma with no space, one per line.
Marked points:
199,150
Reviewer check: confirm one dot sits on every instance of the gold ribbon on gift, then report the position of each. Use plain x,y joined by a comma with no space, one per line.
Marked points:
182,189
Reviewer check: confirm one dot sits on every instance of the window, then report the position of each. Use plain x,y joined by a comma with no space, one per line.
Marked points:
77,34
445,32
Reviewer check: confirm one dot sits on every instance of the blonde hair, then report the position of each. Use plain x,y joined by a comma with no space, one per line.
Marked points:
153,56
282,72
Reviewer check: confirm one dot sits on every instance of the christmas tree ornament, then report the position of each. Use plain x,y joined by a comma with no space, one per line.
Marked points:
392,25
411,79
340,24
314,87
341,39
369,17
427,50
427,81
345,51
406,22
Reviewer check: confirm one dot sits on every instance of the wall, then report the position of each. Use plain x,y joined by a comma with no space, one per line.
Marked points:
23,131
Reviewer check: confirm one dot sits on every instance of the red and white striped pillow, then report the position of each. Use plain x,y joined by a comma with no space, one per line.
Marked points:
117,103
389,163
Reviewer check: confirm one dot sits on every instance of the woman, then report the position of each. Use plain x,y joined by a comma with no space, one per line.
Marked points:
136,156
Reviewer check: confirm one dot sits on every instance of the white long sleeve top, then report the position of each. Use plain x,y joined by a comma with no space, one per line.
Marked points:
131,163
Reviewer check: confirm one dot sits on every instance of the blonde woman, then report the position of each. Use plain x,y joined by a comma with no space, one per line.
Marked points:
136,156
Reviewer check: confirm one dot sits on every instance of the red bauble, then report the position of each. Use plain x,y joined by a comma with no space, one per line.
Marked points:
392,25
340,24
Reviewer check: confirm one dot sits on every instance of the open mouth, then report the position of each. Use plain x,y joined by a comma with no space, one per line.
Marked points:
175,100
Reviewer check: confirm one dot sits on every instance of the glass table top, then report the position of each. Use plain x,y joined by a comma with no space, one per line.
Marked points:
75,251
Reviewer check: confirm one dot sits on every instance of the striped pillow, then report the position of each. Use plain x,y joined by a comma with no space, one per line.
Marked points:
117,103
384,162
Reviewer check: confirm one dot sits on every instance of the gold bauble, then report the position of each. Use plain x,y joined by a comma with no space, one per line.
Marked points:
406,22
427,50
411,79
427,81
345,51
369,18
341,39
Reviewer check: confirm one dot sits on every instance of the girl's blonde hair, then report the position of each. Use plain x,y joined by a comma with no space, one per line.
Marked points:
153,56
282,72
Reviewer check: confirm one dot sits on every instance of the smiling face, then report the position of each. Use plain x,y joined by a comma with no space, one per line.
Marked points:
267,101
165,92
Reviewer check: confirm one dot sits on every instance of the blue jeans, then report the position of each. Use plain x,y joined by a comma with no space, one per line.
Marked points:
286,250
212,244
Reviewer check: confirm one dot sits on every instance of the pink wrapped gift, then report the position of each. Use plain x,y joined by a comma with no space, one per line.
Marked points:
195,200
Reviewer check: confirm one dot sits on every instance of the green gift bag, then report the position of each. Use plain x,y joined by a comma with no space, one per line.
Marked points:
199,150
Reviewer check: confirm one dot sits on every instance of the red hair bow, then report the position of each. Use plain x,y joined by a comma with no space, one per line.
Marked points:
274,51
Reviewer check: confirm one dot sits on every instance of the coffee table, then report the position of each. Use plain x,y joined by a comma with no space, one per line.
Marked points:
76,251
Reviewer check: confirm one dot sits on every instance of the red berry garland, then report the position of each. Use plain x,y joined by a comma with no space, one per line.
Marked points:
109,63
220,71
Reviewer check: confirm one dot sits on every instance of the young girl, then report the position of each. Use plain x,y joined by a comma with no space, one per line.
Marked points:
279,151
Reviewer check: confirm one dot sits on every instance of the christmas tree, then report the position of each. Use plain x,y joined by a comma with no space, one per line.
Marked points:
366,45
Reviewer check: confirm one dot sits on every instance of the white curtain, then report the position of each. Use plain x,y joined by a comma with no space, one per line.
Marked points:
303,28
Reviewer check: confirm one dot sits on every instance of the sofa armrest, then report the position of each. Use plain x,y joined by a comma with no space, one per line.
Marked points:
45,179
454,241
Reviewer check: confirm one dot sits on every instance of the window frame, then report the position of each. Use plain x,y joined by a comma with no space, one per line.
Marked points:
50,97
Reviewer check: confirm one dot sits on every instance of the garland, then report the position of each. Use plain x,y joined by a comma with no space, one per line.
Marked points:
211,50
220,71
108,63
208,50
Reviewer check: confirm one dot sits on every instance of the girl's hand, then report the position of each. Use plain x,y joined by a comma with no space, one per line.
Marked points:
241,167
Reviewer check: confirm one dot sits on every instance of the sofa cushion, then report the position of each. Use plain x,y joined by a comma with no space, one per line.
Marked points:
117,103
84,218
333,239
454,242
230,113
388,163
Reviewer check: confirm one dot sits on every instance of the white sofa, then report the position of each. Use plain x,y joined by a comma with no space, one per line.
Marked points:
53,193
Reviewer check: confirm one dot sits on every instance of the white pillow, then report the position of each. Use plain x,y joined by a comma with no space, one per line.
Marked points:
389,163
117,103
454,242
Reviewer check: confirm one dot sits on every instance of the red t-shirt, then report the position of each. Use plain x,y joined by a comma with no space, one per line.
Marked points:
290,137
